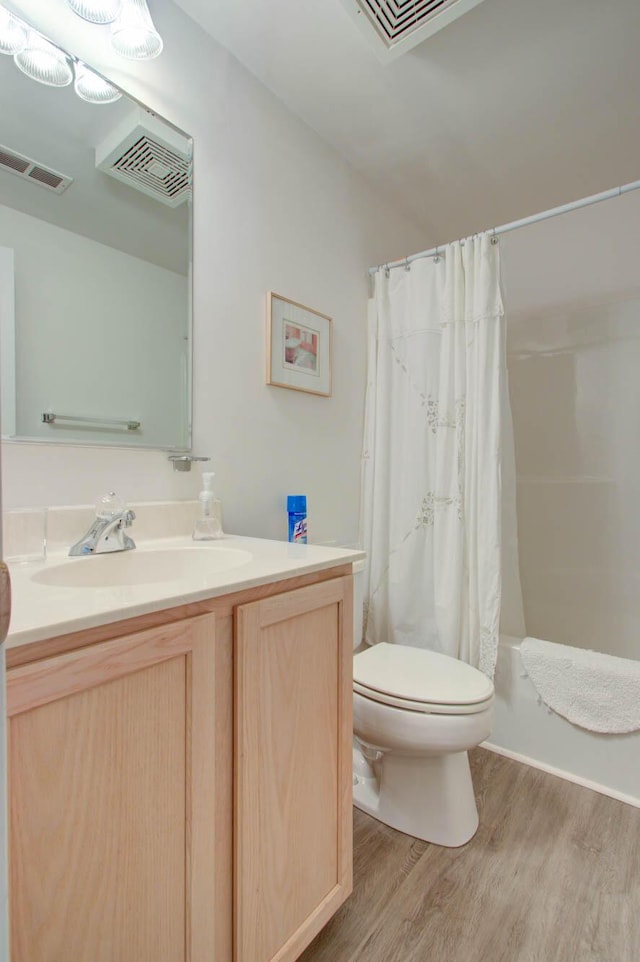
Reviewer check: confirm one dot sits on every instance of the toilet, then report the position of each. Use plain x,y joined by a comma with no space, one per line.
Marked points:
416,714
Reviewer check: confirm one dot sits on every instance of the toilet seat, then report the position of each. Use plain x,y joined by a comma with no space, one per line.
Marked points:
428,708
418,680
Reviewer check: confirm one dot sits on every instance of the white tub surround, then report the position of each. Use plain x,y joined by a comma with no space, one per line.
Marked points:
595,691
573,357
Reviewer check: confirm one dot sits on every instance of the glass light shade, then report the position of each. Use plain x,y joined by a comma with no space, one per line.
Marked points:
44,62
13,34
133,34
91,87
96,11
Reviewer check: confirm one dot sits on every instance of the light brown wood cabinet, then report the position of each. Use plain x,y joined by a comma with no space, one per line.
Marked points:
293,831
181,791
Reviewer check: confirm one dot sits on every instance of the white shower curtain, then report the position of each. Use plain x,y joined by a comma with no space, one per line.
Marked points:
432,454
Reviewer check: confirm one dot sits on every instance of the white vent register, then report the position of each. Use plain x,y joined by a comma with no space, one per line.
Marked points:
31,170
394,27
150,156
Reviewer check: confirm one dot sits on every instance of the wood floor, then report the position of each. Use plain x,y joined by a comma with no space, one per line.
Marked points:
552,875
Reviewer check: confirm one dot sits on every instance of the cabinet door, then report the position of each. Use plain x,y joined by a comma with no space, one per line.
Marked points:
111,795
293,833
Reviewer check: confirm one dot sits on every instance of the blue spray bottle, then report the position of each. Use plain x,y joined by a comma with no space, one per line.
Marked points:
297,508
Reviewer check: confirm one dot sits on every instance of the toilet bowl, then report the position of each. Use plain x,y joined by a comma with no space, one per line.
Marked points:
411,768
416,714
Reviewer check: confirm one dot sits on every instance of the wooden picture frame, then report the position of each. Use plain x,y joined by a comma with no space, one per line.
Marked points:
299,346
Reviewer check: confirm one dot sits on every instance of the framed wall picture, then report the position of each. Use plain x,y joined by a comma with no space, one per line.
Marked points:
299,349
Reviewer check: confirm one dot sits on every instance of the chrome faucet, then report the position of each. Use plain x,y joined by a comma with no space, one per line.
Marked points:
107,532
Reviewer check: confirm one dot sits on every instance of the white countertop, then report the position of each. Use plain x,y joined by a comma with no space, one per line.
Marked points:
40,611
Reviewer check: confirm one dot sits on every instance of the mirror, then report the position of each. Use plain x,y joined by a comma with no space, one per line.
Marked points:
95,269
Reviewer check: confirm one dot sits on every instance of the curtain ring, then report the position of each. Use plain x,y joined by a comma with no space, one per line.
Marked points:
494,237
436,256
387,270
407,265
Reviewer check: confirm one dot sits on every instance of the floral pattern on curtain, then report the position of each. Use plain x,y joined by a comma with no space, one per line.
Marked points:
432,454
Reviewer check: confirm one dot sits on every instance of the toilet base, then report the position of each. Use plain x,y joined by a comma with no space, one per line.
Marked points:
430,798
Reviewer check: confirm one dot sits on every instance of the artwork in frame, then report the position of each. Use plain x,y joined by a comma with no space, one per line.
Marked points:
299,349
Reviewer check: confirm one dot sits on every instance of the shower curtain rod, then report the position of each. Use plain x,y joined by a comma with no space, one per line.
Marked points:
523,222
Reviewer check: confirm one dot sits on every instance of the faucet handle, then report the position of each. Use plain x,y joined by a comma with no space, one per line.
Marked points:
109,505
128,517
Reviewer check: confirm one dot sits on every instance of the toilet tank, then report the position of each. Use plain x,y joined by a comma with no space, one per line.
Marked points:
358,602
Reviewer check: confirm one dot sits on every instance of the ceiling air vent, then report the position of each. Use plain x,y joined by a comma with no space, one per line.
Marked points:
393,27
150,156
29,169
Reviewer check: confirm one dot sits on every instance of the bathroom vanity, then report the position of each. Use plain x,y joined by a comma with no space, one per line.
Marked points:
180,763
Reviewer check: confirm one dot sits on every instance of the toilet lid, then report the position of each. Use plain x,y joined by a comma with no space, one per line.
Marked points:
417,675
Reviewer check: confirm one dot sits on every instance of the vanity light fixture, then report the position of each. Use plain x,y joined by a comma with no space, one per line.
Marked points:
96,11
44,62
133,34
13,34
93,88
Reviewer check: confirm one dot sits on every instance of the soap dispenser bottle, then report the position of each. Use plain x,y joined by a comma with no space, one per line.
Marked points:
207,526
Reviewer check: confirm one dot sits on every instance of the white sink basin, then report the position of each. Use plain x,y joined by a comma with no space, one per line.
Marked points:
190,566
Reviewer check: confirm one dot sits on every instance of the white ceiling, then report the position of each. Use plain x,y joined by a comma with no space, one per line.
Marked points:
518,106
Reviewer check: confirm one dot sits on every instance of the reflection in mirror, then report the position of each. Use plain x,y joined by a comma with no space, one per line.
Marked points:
95,269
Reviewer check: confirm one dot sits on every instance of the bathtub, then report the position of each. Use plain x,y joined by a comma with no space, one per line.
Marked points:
527,731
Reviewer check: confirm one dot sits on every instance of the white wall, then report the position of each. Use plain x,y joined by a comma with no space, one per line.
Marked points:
119,346
276,208
572,295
